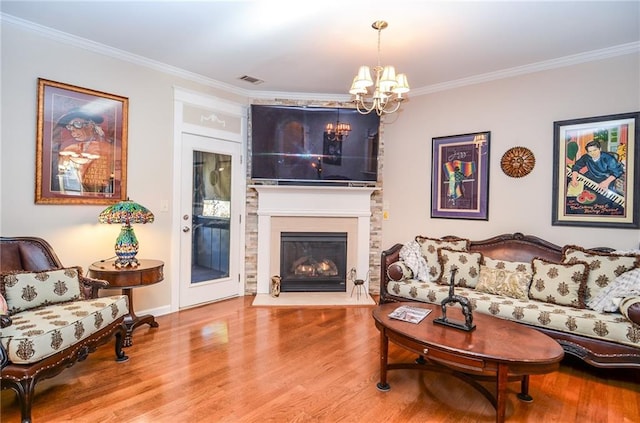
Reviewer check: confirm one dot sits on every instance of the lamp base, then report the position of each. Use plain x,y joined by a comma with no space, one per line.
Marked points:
126,248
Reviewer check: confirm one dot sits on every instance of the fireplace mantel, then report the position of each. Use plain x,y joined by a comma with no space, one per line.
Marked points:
316,202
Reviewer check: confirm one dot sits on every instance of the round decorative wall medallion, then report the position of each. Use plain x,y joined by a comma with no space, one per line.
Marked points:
517,162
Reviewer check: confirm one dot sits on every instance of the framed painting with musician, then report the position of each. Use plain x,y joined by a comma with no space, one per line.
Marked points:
596,173
460,176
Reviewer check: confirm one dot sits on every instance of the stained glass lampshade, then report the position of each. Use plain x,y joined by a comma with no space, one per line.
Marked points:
126,212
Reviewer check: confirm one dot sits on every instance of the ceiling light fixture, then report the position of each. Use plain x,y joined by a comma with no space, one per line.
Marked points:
387,88
338,132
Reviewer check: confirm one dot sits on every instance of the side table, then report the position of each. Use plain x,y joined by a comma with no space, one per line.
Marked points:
148,272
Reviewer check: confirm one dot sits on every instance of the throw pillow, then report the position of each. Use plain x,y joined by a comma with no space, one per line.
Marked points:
511,266
509,283
27,290
4,308
467,265
399,271
559,283
604,268
630,308
411,255
625,285
429,247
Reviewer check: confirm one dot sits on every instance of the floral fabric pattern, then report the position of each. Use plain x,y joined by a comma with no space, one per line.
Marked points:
467,266
500,281
559,283
429,248
625,285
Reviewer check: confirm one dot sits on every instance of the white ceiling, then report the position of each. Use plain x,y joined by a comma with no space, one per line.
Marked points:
316,47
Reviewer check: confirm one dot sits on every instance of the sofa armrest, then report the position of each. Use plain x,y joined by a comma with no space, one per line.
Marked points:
630,308
92,286
387,258
5,321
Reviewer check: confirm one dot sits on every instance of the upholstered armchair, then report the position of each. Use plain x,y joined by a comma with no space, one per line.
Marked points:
53,316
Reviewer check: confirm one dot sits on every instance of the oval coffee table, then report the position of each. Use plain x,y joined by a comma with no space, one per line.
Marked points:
497,349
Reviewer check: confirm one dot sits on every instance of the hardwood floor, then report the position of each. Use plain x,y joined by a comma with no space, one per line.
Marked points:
231,362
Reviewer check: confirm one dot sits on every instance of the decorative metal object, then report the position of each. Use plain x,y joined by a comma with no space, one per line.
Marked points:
387,87
358,284
464,302
517,162
126,212
275,285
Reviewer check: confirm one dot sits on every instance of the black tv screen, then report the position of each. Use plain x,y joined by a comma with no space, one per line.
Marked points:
290,144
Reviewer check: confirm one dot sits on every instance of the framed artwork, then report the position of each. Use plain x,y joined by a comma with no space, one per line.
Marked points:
460,176
81,146
595,171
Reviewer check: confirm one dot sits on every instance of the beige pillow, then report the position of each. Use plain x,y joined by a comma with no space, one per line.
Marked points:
512,266
467,265
27,290
559,283
604,268
429,247
509,283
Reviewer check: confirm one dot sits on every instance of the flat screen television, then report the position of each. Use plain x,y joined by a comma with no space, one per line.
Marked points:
291,145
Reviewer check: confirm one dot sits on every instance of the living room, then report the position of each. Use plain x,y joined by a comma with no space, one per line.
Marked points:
519,108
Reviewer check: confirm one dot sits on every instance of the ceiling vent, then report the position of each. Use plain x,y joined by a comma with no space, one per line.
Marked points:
251,80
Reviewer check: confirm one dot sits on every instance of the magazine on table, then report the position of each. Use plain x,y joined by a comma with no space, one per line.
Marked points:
410,314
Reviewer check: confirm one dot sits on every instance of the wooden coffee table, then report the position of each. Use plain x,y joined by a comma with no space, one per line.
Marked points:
497,349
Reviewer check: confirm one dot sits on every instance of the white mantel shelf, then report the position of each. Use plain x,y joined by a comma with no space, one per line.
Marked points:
311,201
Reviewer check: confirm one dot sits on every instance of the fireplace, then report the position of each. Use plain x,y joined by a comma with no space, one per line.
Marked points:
313,261
286,209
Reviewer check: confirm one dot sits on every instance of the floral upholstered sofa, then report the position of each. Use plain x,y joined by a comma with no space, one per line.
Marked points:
51,316
588,300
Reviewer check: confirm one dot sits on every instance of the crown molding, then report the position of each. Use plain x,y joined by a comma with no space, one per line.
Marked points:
92,46
575,59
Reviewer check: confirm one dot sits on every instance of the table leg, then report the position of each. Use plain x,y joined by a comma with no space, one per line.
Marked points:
132,321
501,392
524,390
384,355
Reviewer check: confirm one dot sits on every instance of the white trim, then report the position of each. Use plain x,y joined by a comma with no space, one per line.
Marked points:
63,37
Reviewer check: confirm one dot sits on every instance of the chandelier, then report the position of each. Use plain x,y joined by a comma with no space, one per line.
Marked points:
387,87
338,132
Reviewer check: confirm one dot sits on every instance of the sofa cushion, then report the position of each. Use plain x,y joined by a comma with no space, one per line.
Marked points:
604,268
613,327
625,285
39,333
28,290
509,283
467,265
559,283
429,247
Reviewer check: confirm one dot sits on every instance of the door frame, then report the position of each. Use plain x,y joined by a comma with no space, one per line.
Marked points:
212,113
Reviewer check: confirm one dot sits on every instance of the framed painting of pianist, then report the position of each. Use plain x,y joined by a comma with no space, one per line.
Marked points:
595,172
81,145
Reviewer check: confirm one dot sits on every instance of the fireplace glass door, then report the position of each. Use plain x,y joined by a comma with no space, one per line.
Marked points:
313,261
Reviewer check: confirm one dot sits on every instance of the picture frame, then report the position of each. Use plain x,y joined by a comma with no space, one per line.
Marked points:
604,193
460,176
81,145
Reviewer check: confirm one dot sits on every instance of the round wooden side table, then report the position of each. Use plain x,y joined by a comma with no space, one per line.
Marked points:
148,272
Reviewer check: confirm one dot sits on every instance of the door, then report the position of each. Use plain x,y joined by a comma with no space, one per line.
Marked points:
210,219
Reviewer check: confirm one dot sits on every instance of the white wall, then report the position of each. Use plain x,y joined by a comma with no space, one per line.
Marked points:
74,231
518,111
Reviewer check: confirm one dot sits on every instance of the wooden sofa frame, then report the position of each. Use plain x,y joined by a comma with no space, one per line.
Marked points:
520,247
35,254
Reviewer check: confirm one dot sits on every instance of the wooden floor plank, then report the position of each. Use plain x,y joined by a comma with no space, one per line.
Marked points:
231,362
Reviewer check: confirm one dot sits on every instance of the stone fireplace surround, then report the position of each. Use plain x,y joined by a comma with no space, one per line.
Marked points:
287,208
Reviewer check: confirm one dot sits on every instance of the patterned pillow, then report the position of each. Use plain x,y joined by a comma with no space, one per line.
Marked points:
467,265
512,266
625,285
509,283
559,283
399,271
430,247
604,268
4,308
27,290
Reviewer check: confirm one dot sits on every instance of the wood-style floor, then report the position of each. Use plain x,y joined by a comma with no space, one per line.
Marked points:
231,362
